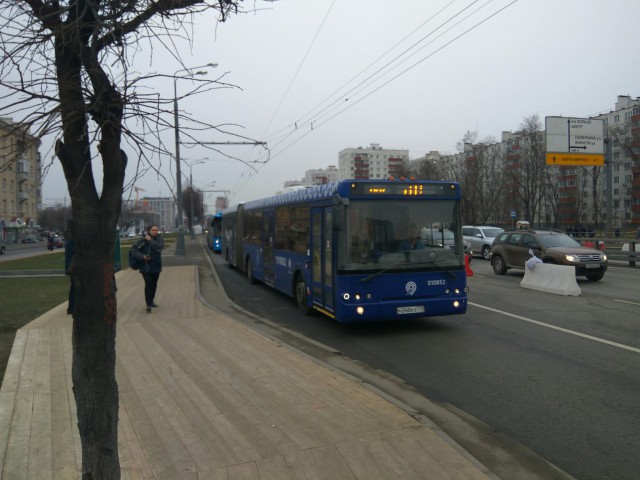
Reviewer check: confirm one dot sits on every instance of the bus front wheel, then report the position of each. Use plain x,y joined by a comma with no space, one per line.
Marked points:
301,296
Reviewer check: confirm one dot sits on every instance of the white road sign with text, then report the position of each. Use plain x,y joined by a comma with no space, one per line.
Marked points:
575,135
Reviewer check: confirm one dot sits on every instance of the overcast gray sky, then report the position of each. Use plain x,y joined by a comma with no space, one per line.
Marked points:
318,76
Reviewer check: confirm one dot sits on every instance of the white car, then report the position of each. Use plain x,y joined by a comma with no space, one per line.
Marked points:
481,238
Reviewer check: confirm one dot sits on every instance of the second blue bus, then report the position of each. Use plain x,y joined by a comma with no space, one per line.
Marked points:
337,248
214,232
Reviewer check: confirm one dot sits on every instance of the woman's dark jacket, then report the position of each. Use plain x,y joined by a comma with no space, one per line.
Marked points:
152,248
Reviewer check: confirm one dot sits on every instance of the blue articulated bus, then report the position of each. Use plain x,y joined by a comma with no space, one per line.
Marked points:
342,248
214,232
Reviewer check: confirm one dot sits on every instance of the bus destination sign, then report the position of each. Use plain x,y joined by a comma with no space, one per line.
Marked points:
404,189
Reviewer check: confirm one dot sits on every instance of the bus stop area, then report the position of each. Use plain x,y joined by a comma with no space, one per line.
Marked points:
203,395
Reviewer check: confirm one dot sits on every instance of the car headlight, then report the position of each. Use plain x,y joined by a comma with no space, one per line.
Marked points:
604,257
571,258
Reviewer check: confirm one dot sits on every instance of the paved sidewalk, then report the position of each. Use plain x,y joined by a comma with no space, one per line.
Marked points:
203,396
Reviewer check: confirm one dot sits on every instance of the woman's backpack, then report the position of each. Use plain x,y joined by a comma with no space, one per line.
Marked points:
136,257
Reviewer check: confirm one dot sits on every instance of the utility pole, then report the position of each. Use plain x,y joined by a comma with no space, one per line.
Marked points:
608,169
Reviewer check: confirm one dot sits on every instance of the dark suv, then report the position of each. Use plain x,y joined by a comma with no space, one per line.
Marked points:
511,250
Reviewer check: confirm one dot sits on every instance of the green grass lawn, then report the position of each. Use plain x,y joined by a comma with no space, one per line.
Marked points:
47,261
23,300
50,261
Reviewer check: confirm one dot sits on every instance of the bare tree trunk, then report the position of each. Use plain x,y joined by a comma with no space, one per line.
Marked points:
94,326
94,383
76,60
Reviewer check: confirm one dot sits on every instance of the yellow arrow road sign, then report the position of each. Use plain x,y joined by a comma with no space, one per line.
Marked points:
564,159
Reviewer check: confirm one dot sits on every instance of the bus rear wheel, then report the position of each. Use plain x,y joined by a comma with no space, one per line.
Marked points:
301,296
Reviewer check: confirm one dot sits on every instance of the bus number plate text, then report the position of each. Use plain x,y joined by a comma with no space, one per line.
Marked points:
414,309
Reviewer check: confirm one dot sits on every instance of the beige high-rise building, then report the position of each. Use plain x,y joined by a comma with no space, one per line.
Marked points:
20,181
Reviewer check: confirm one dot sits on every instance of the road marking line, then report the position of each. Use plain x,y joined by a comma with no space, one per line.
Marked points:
625,301
560,329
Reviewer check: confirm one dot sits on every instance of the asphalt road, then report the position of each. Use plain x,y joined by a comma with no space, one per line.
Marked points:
560,375
24,250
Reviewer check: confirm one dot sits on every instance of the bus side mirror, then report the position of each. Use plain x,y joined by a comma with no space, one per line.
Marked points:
339,217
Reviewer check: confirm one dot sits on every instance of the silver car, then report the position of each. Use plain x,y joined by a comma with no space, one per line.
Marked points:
444,238
481,238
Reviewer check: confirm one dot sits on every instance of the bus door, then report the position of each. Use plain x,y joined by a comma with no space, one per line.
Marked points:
322,257
267,252
238,239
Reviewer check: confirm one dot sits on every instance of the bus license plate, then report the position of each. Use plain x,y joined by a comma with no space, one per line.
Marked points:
593,265
414,309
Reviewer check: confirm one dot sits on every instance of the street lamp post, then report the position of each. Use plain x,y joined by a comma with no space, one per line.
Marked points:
180,249
193,235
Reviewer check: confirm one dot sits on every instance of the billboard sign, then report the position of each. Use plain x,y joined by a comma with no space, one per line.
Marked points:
574,141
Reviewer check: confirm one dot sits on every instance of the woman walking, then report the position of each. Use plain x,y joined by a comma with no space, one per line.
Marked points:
152,251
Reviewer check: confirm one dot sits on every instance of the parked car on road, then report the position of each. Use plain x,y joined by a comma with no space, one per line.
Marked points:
481,238
511,250
29,239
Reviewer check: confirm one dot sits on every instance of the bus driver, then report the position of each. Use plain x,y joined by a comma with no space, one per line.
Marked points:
412,242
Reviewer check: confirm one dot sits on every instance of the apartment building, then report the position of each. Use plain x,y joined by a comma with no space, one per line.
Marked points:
373,162
583,190
560,196
509,179
20,181
221,204
164,208
317,176
321,176
622,128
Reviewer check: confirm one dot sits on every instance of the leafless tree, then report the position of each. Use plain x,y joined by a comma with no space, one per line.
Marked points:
54,218
622,137
196,203
551,199
528,178
425,170
66,71
595,175
481,178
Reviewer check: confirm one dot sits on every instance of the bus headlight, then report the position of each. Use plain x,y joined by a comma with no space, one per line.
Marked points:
360,310
357,297
456,304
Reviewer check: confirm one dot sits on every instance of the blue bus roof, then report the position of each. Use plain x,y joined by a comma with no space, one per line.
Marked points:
327,191
317,192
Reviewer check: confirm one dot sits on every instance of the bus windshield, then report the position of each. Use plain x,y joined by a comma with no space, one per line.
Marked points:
216,226
397,234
